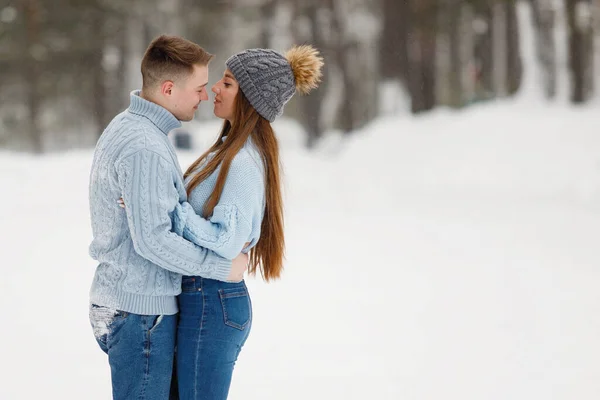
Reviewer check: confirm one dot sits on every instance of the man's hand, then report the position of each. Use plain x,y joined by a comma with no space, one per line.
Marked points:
239,265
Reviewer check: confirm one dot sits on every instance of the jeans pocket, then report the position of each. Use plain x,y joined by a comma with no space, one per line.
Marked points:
237,311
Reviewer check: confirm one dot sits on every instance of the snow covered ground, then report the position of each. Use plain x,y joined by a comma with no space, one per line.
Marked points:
447,257
450,256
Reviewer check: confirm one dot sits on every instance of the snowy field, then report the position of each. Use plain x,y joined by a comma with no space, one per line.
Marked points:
447,257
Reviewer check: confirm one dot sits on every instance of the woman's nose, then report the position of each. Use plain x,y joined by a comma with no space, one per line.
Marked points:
215,89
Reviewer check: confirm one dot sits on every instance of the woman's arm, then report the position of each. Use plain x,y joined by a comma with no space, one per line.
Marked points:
228,230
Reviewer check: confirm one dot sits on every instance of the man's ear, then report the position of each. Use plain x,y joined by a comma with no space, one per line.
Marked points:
166,88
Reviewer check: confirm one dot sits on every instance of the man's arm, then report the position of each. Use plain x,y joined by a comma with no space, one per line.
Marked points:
146,181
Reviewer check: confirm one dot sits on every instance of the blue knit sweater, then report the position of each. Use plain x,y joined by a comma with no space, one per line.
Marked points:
237,217
140,258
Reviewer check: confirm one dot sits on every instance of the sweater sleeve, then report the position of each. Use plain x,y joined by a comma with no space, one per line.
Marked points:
148,190
230,225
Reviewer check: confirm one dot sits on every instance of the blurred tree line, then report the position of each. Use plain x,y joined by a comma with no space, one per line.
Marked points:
67,66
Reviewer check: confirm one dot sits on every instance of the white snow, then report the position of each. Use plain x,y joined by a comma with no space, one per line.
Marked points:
100,320
447,256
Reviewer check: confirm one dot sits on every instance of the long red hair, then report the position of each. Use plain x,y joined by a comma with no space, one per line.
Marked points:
268,254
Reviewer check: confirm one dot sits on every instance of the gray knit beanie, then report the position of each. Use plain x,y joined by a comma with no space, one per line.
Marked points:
269,79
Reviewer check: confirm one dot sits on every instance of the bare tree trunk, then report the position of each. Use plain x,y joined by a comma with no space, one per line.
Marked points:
116,70
311,106
596,39
173,21
467,54
31,71
393,44
97,69
543,17
486,56
499,49
453,12
121,96
267,11
422,51
357,60
514,64
341,49
580,49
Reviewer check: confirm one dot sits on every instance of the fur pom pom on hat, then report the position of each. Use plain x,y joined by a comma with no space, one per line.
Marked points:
269,79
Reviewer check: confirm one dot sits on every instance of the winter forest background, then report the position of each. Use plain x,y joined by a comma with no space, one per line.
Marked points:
441,188
67,66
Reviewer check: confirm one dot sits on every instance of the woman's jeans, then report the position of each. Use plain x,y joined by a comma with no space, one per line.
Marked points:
140,351
214,323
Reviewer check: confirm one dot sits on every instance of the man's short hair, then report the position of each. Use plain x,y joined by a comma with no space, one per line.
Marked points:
171,58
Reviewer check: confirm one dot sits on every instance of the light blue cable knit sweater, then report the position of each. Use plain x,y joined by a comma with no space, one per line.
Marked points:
140,258
237,217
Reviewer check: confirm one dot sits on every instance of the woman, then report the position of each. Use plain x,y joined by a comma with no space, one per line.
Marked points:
235,187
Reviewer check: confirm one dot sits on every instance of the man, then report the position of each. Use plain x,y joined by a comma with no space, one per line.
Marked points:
133,295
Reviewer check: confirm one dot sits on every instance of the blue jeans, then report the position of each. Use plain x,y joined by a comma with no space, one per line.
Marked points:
214,323
140,351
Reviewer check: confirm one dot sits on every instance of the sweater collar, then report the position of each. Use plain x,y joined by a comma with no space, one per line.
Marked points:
158,115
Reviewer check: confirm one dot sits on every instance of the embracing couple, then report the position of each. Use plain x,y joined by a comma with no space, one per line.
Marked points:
168,302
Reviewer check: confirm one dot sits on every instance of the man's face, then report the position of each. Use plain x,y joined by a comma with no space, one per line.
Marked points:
188,92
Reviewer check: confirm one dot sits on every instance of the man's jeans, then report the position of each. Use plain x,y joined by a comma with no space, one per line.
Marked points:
140,351
214,323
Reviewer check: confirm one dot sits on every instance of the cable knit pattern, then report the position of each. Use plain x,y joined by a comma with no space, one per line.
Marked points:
237,217
266,78
141,259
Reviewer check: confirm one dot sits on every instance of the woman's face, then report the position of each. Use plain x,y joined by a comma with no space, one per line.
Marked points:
225,91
